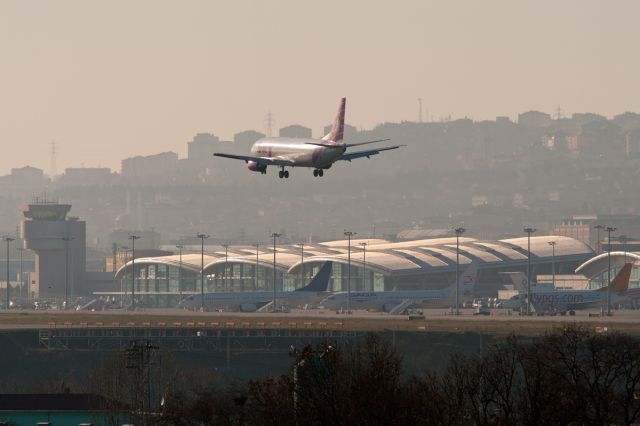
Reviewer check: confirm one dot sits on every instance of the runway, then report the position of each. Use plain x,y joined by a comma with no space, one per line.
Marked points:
500,322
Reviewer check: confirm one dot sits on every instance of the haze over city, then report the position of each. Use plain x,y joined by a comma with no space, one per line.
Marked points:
111,80
294,212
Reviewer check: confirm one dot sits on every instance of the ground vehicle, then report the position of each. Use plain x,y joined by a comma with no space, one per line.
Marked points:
482,310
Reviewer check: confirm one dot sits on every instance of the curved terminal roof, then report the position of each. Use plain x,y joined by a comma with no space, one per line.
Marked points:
502,251
406,257
540,246
600,263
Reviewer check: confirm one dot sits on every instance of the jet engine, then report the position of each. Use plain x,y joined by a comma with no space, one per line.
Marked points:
248,307
257,167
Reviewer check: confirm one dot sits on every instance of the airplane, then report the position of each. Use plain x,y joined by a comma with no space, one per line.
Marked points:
252,301
563,301
318,154
397,302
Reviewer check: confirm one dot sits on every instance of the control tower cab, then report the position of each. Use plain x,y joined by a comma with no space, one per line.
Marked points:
59,244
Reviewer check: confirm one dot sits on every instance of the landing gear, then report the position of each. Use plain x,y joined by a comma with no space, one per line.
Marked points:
283,173
318,172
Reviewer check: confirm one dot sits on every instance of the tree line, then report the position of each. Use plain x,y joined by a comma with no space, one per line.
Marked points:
570,376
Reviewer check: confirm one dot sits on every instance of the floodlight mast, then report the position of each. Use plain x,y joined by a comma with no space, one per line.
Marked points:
529,231
459,231
274,235
202,238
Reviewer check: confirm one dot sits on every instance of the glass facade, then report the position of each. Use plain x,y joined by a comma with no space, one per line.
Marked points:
160,285
168,282
362,278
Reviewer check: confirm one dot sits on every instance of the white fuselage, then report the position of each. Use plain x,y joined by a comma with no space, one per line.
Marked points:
237,300
299,151
384,300
563,300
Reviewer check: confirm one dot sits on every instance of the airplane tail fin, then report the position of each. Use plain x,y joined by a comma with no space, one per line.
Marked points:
468,279
321,281
518,279
337,131
621,281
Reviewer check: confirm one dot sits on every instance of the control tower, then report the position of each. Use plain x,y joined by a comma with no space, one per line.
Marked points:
59,244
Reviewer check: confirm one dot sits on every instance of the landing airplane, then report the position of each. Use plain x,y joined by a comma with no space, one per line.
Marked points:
396,302
319,154
563,301
252,301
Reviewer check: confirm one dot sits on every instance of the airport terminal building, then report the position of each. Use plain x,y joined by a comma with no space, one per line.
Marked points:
374,264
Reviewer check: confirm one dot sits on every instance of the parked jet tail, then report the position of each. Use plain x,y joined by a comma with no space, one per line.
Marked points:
320,282
621,281
518,279
468,280
336,134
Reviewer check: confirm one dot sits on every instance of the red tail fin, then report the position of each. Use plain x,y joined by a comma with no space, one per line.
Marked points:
621,282
337,131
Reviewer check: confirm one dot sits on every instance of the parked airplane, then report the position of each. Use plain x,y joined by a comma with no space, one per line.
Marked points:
396,302
563,301
251,301
319,154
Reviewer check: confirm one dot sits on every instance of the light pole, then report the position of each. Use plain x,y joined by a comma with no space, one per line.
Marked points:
364,264
529,231
598,228
133,239
123,280
609,230
349,234
8,240
301,264
553,262
66,271
180,247
202,238
257,262
459,231
21,250
274,235
226,259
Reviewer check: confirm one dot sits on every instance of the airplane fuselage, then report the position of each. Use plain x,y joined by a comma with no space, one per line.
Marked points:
301,152
384,300
563,300
245,300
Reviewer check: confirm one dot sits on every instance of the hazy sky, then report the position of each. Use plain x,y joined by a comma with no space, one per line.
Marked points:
112,79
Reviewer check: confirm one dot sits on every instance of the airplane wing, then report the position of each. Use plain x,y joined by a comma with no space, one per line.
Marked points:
269,161
360,154
365,143
346,145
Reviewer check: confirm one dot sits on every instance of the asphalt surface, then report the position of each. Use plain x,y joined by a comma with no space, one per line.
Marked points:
500,322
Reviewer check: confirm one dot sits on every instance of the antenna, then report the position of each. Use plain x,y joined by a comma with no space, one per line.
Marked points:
269,120
52,165
559,114
419,110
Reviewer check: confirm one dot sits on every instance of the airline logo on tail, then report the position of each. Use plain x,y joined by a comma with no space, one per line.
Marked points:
337,131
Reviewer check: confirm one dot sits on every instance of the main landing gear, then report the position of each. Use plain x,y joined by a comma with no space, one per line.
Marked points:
283,173
318,172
